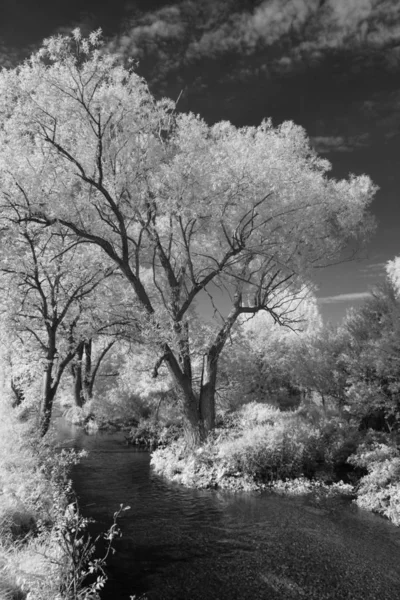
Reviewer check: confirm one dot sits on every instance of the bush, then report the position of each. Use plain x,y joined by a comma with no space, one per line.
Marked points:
34,493
268,451
151,434
256,445
379,490
16,522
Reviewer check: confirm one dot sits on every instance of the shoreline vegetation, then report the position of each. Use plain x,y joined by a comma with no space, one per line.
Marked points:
258,447
46,551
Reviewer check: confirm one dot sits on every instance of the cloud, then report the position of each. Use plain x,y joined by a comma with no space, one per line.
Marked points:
374,269
245,31
167,24
325,144
356,296
364,26
298,31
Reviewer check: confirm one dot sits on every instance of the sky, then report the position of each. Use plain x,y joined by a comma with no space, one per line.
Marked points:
331,66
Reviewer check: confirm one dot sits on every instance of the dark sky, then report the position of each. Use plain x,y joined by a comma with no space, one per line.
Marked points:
332,66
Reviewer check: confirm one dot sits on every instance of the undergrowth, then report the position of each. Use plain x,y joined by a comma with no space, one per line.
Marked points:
46,552
379,489
258,446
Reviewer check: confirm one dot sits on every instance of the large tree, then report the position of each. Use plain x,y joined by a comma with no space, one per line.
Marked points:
182,208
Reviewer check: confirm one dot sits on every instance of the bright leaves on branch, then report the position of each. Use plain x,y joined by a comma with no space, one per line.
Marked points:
180,207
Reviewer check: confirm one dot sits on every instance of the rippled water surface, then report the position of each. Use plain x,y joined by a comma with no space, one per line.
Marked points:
181,544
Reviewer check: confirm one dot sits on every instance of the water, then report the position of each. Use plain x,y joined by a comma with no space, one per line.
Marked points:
181,544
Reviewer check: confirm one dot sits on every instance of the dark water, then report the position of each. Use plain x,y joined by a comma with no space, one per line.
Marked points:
181,544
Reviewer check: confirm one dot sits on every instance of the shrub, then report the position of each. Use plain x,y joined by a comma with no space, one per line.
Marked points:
256,413
16,522
34,487
379,490
266,452
259,444
151,434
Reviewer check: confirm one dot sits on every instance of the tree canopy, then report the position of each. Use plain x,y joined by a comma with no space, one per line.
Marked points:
178,206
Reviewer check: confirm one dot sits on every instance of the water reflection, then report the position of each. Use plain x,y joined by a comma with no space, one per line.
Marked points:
182,544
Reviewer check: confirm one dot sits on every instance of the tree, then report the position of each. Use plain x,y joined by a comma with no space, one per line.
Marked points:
261,363
372,358
319,365
46,300
84,369
181,208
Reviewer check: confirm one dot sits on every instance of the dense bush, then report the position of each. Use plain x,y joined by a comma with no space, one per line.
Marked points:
152,433
257,445
270,451
379,490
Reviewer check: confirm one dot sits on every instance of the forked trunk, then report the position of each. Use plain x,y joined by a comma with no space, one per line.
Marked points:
193,426
194,434
199,411
48,394
207,393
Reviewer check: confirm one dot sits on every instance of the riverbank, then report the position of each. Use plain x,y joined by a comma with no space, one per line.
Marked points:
260,447
33,500
180,542
43,551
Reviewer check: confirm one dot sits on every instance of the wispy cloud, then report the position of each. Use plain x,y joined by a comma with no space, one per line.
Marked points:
245,31
374,269
298,31
325,144
345,297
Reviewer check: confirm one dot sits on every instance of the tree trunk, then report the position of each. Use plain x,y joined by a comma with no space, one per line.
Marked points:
76,371
88,380
207,392
193,425
48,394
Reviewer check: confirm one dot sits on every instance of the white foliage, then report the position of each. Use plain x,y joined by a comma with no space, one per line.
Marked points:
393,273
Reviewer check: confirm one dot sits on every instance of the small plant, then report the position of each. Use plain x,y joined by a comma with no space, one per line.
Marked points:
77,562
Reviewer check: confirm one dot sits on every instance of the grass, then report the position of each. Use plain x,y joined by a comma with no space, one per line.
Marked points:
33,482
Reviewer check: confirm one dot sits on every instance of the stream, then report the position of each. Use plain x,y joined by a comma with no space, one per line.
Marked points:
183,544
